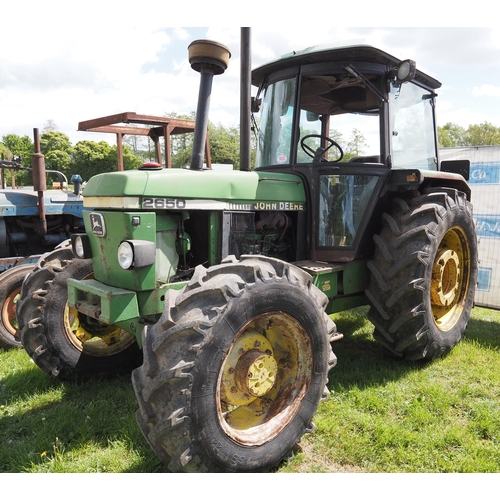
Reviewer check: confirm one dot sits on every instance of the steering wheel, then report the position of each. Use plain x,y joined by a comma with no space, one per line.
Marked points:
318,154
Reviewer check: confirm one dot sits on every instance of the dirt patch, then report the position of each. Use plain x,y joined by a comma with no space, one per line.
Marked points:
314,459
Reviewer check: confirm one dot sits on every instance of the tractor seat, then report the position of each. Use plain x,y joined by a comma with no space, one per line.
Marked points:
365,159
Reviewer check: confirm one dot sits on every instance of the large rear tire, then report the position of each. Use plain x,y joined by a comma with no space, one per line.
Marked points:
64,343
235,368
423,274
10,288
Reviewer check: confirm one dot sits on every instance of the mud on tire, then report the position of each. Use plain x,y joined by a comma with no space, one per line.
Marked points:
235,368
423,274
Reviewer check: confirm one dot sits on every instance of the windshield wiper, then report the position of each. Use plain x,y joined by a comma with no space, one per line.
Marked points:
365,80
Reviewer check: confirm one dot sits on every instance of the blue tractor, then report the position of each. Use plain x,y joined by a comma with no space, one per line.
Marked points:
33,221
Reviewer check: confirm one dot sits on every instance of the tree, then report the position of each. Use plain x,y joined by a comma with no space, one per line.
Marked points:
181,144
356,145
50,126
19,146
22,147
57,149
131,160
451,135
337,137
58,160
55,141
484,134
5,154
224,145
137,143
91,158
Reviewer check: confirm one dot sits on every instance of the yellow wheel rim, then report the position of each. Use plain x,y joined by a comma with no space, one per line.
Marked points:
264,378
450,278
93,337
96,339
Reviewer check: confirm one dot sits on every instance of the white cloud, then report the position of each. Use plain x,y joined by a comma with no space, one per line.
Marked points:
486,90
463,116
102,58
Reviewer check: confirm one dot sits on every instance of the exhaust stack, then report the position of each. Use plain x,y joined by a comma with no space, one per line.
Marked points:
245,99
209,58
39,183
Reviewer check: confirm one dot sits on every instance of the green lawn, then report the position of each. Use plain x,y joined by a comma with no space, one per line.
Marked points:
383,415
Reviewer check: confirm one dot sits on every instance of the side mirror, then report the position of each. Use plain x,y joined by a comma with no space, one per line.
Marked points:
255,104
312,117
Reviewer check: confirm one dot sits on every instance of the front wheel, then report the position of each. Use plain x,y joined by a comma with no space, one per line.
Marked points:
61,341
423,274
235,368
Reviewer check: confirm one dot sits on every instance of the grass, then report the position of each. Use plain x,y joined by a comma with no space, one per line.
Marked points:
383,414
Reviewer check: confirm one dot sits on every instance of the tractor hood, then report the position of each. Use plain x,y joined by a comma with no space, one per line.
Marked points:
24,202
129,189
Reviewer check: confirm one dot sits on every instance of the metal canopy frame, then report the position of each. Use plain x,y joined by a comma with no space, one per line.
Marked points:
153,127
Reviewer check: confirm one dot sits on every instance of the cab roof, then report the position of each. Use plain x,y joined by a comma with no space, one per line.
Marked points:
336,53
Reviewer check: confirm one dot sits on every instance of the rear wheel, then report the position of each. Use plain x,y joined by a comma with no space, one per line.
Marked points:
423,275
62,342
235,369
10,288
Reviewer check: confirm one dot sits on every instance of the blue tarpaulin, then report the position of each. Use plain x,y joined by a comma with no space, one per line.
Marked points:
484,182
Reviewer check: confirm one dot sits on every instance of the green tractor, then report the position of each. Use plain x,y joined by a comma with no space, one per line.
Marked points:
216,287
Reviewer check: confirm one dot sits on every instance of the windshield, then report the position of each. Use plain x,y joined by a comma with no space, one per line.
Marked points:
338,120
413,143
276,124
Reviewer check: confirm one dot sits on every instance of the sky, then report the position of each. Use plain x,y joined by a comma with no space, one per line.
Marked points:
67,62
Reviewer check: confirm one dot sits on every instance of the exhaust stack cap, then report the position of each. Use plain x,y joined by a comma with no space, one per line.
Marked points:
208,56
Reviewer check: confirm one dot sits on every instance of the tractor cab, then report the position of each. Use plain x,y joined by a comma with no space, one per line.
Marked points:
308,100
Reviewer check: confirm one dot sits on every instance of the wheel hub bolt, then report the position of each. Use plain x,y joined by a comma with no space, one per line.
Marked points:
256,373
445,277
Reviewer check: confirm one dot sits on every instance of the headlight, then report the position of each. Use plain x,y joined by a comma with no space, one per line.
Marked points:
79,247
125,255
406,70
136,253
80,244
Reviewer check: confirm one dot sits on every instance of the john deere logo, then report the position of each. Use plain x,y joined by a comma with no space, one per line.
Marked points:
97,224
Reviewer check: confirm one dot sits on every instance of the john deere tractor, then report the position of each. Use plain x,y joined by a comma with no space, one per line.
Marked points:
218,286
